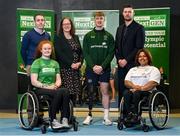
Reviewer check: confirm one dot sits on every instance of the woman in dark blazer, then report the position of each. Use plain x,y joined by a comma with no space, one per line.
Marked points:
69,55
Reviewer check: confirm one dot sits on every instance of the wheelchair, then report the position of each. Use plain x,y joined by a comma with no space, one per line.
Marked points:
157,106
32,110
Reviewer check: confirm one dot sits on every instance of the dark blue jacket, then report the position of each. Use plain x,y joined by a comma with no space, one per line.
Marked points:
29,43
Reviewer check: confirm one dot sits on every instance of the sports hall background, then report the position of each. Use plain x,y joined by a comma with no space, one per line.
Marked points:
8,48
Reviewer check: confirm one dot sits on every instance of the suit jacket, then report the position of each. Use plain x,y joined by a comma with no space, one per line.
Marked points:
127,47
63,51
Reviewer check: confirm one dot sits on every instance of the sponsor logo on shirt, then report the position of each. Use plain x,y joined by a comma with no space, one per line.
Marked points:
48,70
104,43
98,46
105,37
92,36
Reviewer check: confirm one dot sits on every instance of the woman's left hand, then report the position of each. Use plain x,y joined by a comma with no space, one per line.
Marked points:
76,65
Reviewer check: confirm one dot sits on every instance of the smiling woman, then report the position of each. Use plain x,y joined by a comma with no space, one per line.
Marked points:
140,80
45,76
69,56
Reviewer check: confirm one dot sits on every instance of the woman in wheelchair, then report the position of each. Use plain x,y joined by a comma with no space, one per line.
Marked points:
139,81
46,78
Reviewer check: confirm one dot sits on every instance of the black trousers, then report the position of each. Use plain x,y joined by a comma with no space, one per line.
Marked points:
121,87
59,101
131,100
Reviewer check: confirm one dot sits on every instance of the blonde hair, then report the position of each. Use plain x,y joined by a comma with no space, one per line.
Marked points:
99,13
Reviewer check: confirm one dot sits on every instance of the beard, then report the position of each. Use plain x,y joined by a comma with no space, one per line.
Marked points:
128,19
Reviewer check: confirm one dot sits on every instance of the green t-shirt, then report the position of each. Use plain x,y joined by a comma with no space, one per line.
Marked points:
46,70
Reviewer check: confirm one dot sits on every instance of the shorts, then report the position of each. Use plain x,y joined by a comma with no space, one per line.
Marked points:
111,76
95,78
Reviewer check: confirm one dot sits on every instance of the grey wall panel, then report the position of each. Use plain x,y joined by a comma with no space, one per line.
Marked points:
86,4
8,51
8,61
174,92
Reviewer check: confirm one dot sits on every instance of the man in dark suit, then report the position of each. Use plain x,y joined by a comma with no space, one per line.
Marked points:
130,37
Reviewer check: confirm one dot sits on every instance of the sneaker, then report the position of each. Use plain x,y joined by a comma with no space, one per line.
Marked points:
88,120
56,124
113,100
107,122
65,123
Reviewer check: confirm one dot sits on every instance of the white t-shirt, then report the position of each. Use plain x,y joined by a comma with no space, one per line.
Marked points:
140,75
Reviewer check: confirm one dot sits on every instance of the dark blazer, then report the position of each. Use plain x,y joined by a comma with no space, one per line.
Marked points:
127,47
63,51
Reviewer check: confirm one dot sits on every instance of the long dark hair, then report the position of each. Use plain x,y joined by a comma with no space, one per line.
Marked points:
72,31
148,55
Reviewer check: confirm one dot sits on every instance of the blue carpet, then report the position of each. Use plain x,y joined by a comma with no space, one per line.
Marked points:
11,127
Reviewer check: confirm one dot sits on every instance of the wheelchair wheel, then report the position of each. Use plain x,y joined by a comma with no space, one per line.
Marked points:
28,109
158,110
120,125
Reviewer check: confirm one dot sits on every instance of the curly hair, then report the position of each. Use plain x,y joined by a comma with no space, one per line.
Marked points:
38,52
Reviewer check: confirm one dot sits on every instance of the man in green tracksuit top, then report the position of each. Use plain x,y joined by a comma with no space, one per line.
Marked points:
98,51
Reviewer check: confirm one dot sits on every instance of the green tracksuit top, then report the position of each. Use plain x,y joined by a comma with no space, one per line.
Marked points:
98,48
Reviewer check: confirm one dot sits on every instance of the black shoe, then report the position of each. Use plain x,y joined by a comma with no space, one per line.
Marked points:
129,117
135,119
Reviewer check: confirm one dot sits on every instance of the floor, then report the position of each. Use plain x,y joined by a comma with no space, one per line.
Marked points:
9,125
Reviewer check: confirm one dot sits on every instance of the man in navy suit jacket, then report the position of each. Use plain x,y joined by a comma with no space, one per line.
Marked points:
130,37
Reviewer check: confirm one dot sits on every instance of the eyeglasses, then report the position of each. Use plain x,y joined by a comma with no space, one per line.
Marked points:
142,56
66,24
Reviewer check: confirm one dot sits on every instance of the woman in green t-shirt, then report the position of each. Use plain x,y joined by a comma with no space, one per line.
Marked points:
45,76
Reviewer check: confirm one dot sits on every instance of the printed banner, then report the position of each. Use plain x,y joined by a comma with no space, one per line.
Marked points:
157,27
84,22
25,22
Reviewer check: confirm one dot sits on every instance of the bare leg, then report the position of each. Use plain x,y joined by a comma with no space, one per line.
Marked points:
105,95
105,98
113,89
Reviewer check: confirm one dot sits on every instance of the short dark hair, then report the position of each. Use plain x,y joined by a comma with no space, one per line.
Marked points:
38,14
99,13
148,55
127,6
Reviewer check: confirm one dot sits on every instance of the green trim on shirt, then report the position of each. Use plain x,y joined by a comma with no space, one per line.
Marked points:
46,70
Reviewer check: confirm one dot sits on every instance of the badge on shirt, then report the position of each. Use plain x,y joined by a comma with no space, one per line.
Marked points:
92,36
105,37
48,70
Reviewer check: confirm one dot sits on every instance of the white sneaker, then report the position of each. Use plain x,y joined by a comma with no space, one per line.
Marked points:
107,122
65,123
56,124
88,120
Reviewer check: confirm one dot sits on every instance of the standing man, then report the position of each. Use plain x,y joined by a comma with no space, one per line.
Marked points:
31,39
98,49
130,37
